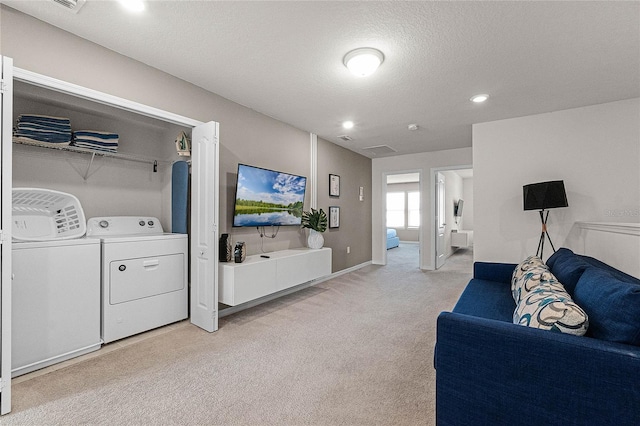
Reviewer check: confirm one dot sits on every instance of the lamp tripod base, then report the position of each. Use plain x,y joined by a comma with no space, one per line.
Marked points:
543,219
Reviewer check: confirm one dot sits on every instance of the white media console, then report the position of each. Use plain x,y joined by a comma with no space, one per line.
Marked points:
260,276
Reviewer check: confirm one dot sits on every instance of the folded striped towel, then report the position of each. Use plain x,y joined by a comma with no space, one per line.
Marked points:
43,128
44,119
96,140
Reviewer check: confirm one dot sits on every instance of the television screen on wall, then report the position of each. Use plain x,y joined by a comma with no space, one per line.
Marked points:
458,208
267,197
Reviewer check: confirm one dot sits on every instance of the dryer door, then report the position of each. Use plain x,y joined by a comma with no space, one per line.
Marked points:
132,279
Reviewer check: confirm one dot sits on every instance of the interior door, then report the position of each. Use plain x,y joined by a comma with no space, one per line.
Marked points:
6,117
204,226
440,220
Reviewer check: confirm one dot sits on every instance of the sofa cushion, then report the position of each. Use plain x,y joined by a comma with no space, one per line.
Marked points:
613,306
486,299
561,252
549,307
610,269
567,268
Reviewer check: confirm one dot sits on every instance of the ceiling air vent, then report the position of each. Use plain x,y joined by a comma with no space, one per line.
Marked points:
379,150
71,5
345,138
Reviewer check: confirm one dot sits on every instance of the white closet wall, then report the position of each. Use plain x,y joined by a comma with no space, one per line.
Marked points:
113,186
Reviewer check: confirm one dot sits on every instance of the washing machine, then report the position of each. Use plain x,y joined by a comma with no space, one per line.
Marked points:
143,274
55,296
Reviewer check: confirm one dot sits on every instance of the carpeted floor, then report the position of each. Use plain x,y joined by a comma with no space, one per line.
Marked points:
355,350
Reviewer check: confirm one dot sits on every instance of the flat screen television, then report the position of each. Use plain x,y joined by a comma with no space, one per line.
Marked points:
268,198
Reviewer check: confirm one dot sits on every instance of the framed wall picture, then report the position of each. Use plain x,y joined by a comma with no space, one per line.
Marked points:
334,185
334,217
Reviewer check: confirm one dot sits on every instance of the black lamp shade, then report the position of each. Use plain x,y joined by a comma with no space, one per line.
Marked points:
544,195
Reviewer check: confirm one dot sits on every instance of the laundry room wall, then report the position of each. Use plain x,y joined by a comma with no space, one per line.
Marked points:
246,136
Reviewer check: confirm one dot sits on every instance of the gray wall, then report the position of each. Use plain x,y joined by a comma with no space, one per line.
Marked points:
245,135
355,216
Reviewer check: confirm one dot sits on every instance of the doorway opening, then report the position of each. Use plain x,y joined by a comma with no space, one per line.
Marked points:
403,201
453,212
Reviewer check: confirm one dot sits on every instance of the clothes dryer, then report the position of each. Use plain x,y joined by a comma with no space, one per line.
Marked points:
143,274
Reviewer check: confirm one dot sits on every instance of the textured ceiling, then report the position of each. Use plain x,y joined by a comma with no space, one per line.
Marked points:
284,59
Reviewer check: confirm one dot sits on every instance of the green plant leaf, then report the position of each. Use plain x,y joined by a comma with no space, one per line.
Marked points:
315,219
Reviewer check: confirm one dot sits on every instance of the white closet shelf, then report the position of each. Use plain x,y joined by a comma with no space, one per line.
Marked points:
119,155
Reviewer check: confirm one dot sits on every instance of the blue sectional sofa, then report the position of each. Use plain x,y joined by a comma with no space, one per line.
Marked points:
490,371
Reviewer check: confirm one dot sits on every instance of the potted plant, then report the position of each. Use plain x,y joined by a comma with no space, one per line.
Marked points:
316,221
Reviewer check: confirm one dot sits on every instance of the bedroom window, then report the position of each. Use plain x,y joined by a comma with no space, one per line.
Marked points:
395,209
403,209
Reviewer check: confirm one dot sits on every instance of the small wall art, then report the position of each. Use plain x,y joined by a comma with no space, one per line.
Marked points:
334,185
334,217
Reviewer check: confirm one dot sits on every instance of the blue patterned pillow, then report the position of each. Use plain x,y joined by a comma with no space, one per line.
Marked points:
549,307
530,273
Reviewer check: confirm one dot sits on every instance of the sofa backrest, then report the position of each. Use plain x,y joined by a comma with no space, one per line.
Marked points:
610,297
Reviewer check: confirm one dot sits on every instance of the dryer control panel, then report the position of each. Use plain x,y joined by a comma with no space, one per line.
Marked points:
123,225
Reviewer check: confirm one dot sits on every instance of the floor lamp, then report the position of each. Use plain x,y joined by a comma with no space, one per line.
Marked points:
543,196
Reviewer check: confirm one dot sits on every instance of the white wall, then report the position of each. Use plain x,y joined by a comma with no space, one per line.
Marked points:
423,163
595,150
466,221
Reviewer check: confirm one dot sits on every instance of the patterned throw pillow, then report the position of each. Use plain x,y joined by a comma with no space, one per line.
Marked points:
530,273
549,307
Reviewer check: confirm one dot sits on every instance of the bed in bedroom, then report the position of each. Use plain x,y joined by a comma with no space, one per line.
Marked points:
392,238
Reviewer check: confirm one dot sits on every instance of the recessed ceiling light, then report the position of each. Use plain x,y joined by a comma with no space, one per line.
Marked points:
347,124
412,127
364,61
133,5
479,98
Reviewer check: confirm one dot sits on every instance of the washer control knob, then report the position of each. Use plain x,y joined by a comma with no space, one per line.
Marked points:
141,223
122,267
150,223
103,224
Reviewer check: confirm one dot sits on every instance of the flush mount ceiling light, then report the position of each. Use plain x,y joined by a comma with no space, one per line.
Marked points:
347,124
132,5
479,98
364,61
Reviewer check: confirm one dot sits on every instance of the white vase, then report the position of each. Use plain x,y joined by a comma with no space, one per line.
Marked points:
315,240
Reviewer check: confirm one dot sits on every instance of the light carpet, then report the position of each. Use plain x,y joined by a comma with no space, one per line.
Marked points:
354,350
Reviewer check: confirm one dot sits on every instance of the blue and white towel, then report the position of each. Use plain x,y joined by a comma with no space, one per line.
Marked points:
96,140
43,129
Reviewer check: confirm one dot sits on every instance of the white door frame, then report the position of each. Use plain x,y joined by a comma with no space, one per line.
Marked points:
432,200
440,195
384,212
6,178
